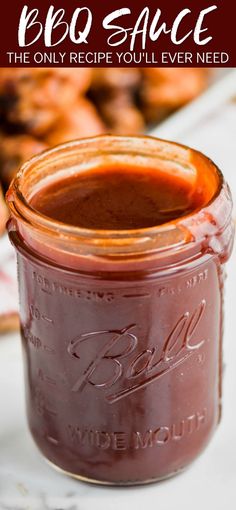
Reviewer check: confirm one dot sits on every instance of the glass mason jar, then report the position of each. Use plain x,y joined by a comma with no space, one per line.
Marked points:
122,330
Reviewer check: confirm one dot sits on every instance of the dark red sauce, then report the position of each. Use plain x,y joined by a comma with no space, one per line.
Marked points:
117,198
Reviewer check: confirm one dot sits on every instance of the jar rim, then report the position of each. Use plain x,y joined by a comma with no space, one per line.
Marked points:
178,228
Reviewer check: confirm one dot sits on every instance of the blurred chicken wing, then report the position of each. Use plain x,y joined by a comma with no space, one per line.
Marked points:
166,89
14,151
3,212
80,121
33,99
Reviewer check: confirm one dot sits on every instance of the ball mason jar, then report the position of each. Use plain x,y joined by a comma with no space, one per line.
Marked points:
122,330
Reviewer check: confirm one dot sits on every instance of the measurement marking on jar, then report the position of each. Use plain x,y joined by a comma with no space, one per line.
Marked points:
47,319
45,378
52,412
48,349
51,287
42,407
136,295
35,342
32,339
196,279
37,315
46,291
190,283
52,440
168,291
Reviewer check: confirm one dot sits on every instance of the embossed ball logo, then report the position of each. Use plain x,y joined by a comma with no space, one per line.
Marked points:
120,366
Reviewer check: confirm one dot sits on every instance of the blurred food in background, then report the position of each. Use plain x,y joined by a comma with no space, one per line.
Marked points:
9,322
14,150
42,107
3,212
129,100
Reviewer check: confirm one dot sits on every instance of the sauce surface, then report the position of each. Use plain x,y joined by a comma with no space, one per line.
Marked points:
117,198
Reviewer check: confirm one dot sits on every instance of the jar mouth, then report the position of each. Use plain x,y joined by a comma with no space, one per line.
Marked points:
80,153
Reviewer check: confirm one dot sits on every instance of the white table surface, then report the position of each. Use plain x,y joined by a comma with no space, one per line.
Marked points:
27,483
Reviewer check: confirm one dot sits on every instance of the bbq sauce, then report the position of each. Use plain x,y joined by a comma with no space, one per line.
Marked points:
117,198
122,333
